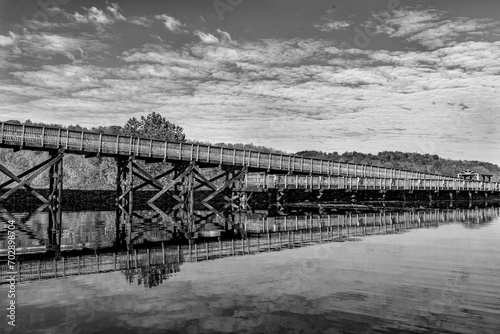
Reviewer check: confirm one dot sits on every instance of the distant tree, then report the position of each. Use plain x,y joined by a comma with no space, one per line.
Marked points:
251,146
75,128
111,130
153,126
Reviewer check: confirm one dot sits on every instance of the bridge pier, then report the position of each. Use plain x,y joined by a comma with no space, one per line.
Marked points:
53,201
186,179
124,196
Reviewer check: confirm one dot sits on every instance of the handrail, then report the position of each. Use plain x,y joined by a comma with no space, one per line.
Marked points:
83,142
323,182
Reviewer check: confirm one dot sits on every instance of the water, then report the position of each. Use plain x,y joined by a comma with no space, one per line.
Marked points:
430,271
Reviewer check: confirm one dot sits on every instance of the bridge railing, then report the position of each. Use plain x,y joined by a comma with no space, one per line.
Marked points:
295,223
80,142
266,181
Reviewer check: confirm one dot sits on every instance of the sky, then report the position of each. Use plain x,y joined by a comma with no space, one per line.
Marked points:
331,75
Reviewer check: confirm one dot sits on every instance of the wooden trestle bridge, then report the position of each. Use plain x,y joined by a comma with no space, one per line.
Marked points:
241,171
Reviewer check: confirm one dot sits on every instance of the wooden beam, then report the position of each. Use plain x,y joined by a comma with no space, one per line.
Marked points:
23,174
151,180
21,222
226,184
174,182
25,182
215,178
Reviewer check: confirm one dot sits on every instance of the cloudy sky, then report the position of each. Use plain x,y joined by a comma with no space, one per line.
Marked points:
364,75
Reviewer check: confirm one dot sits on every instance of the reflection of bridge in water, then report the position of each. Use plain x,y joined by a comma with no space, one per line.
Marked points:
154,261
104,229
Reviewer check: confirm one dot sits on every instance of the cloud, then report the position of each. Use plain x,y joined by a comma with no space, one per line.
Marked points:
335,25
7,40
140,21
206,38
93,15
101,18
65,78
96,16
225,37
170,23
328,22
272,90
430,28
115,10
48,45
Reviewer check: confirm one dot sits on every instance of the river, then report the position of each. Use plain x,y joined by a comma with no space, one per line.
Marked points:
419,271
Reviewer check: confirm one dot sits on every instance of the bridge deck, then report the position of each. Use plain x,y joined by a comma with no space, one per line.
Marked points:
78,142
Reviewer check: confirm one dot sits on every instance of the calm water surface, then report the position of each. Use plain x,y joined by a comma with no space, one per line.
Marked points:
443,279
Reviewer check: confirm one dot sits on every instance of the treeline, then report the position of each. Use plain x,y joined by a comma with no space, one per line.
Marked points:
100,173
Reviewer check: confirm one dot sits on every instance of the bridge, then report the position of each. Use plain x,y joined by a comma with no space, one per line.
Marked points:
240,171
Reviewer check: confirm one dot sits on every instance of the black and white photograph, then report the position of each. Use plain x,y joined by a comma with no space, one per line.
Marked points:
249,166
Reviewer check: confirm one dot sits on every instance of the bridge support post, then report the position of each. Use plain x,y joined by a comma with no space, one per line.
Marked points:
125,196
55,203
189,178
242,197
185,180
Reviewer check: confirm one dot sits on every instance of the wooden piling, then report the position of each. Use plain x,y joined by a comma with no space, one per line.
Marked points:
190,252
18,265
220,247
163,257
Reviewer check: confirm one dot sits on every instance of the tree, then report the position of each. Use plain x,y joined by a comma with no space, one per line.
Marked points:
154,126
